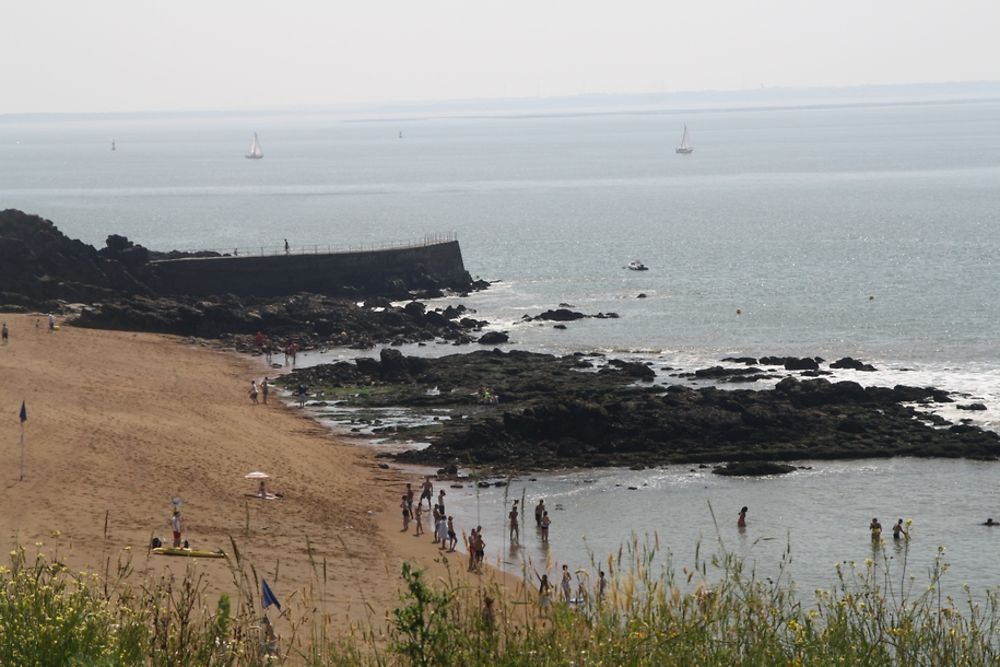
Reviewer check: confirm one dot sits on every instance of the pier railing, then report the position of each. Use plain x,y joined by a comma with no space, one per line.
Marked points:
328,248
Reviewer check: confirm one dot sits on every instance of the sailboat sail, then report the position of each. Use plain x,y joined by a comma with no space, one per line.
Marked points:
685,146
255,152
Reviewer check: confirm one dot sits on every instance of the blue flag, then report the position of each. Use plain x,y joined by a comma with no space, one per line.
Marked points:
267,597
24,413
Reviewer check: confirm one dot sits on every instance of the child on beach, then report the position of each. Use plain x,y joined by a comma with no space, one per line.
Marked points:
253,392
544,594
567,582
419,530
452,536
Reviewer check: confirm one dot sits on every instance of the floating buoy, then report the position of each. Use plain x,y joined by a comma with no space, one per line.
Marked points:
739,312
871,297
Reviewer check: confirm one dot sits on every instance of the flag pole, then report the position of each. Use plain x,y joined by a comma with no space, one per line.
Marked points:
23,417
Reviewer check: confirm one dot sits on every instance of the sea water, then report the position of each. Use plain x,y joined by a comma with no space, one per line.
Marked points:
868,231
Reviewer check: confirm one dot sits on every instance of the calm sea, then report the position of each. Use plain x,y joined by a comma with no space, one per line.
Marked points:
869,231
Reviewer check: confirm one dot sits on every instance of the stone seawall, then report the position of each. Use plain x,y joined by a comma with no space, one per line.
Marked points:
431,266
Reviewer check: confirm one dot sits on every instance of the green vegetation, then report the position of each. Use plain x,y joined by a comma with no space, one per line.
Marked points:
715,613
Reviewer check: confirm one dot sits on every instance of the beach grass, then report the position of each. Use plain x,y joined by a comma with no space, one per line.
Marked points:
716,612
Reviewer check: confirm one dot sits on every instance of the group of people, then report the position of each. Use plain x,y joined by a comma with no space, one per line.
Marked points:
5,330
263,391
899,531
443,525
267,348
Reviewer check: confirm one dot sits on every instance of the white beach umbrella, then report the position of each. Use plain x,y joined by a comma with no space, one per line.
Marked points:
256,474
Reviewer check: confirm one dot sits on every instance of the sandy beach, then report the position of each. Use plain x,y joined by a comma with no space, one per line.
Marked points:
120,422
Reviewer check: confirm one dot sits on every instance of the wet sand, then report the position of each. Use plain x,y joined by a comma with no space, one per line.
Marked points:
120,422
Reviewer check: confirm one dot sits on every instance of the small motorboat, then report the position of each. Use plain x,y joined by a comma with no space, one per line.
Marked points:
636,265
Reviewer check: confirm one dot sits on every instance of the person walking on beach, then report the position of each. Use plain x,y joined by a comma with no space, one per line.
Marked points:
175,523
52,322
452,535
253,392
546,522
5,333
265,388
300,393
287,248
427,491
566,583
441,500
515,533
539,511
899,531
471,546
409,495
741,522
876,528
405,506
480,549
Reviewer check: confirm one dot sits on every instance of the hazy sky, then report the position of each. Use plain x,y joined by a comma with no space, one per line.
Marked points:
127,55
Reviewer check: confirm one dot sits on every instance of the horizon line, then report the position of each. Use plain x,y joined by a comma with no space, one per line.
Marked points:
560,100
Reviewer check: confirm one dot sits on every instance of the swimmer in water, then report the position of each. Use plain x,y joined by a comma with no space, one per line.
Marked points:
876,529
899,532
742,521
991,522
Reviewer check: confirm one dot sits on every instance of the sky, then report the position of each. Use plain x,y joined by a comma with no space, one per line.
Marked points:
154,55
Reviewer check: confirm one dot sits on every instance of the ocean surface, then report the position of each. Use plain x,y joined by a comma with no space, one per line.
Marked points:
870,231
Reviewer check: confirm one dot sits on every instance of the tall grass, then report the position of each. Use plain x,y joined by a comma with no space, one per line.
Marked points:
716,612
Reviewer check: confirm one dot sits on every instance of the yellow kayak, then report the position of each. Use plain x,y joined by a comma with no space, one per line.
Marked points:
191,553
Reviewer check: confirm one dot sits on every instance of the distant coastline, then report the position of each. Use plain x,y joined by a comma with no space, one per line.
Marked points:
591,103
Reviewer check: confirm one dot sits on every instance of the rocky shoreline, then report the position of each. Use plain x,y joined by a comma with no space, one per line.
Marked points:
591,411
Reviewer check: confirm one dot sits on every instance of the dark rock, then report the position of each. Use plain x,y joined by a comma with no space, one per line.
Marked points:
753,468
559,326
749,361
804,364
848,362
560,315
641,295
971,406
493,338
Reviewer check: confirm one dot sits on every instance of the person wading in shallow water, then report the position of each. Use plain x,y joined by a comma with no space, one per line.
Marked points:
876,529
742,521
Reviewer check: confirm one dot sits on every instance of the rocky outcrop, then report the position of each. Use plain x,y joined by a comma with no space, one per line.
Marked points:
553,415
854,364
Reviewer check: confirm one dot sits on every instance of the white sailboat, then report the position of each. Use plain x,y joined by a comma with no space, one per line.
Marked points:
255,152
685,148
